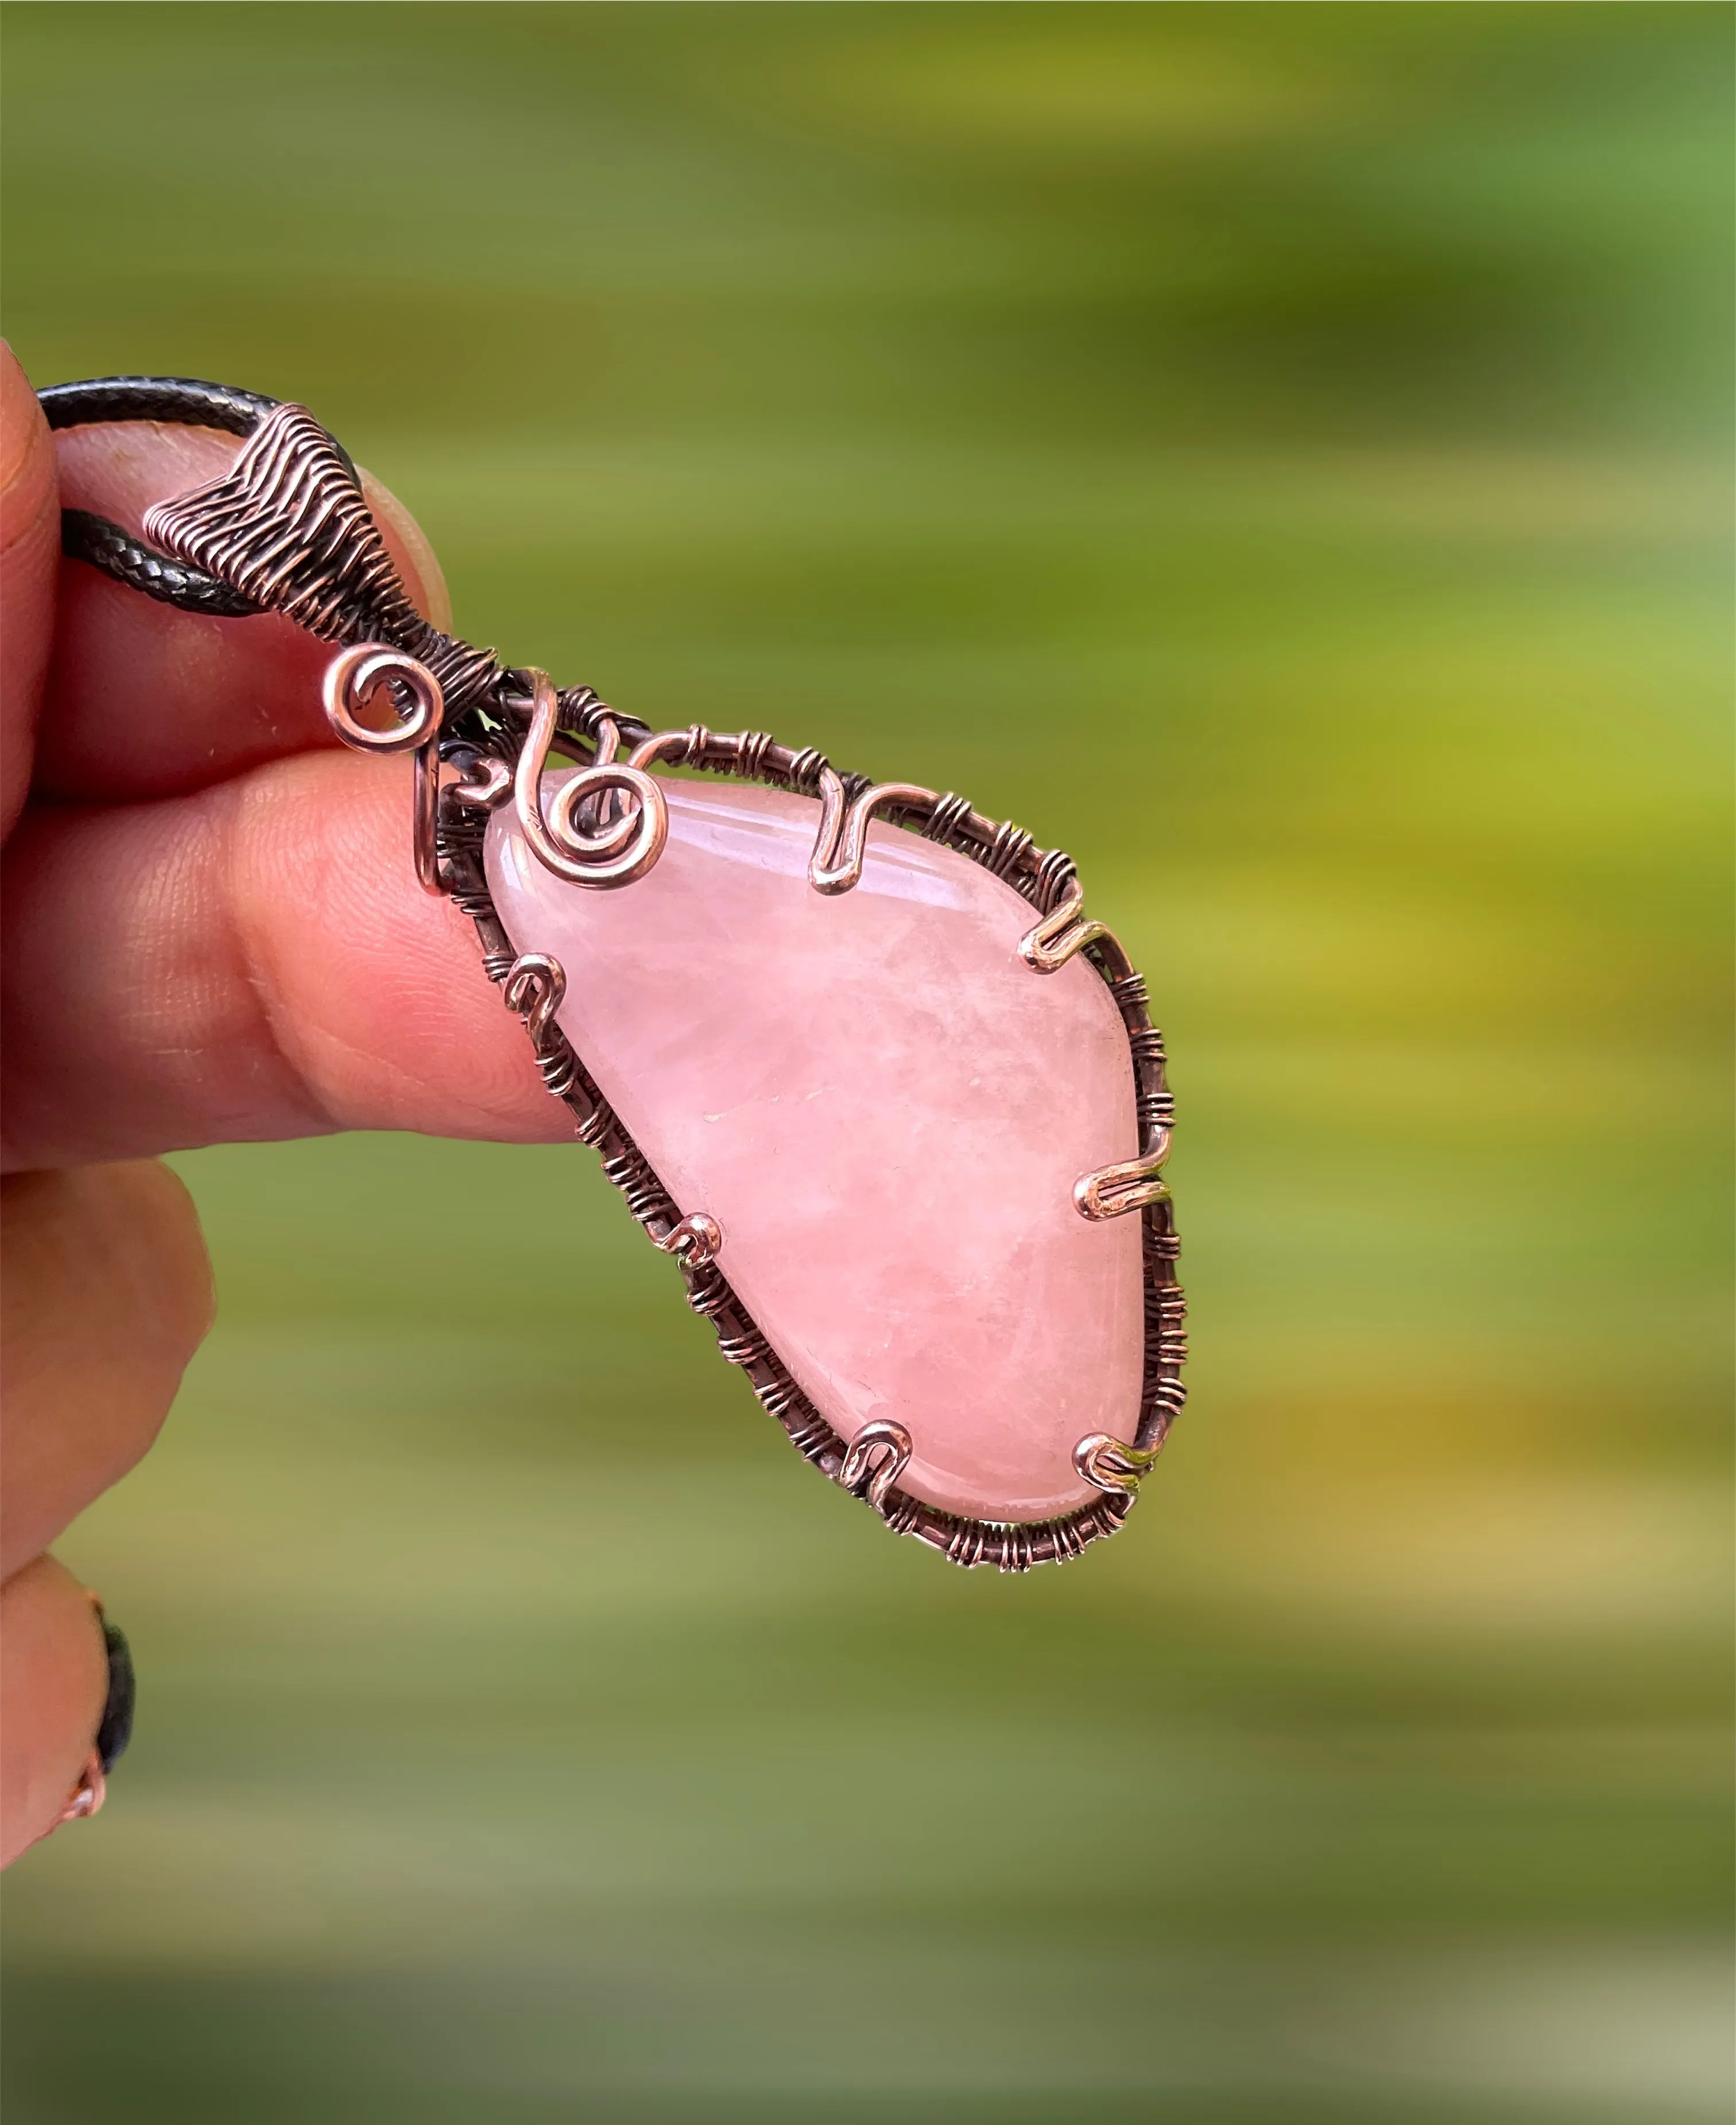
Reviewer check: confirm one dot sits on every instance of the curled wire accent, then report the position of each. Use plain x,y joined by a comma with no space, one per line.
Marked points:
841,843
352,677
874,1460
354,674
535,985
616,852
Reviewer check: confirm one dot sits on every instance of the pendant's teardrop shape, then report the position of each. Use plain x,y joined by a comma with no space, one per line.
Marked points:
886,1111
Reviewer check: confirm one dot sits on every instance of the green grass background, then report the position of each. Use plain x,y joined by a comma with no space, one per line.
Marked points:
1280,455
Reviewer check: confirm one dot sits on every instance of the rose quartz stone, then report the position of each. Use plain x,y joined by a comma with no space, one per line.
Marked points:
885,1110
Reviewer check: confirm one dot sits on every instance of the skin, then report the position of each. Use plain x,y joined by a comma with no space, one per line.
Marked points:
212,933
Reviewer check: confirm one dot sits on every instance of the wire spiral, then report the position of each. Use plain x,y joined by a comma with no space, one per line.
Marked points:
617,850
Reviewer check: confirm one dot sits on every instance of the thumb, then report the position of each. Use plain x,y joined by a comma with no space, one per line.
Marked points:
30,560
144,700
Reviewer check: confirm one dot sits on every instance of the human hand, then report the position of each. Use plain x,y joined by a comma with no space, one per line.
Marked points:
213,933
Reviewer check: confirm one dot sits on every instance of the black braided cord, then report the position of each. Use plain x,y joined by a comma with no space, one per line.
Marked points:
187,402
87,537
183,400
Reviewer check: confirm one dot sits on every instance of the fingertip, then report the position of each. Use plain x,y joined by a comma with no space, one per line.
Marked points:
26,448
412,549
107,1294
159,1247
30,545
54,1686
146,700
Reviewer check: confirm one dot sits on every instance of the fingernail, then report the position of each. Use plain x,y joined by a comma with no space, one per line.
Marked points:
116,1728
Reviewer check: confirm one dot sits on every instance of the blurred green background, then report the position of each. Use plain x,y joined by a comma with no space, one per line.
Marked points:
1279,454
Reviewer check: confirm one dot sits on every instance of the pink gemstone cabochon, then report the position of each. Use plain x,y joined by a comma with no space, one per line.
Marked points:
885,1110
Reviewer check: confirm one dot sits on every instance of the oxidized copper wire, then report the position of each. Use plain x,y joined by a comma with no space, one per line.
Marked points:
287,526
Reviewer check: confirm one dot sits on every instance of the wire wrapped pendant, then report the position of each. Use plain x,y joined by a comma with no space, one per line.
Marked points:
852,1052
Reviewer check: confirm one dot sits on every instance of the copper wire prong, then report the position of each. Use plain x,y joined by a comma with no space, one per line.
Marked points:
694,1242
533,988
1113,1191
874,1460
841,843
1047,945
1111,1464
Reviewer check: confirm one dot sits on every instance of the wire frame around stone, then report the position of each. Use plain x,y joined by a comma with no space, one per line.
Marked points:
586,727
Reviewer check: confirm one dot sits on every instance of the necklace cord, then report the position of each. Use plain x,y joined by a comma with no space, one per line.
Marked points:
289,530
182,401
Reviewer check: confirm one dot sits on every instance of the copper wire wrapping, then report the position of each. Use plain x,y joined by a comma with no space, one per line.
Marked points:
1044,878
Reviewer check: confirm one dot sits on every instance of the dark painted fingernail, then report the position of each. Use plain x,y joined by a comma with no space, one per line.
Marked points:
117,1729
